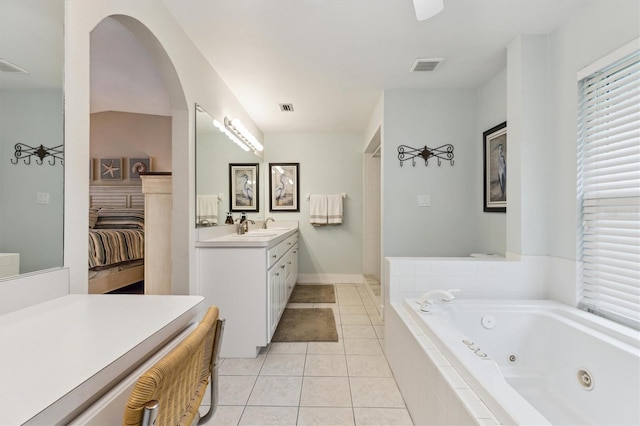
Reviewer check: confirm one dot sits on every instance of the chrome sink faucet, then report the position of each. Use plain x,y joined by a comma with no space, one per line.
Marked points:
243,226
427,299
264,225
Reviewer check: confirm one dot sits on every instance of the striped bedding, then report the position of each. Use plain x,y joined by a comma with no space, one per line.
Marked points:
112,246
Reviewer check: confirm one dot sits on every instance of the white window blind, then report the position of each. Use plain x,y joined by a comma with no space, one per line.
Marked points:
609,187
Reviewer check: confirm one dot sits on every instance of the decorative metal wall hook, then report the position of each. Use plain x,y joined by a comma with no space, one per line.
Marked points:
25,152
444,152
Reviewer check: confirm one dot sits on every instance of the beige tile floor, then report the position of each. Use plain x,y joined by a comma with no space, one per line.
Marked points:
348,382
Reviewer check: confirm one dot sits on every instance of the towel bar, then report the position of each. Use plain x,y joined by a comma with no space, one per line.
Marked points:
344,195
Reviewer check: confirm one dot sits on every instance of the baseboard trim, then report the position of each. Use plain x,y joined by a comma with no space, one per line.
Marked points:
330,278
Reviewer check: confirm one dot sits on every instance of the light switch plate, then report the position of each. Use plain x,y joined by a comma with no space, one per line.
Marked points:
43,198
424,200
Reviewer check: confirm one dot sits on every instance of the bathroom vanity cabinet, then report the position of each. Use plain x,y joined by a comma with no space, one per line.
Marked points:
250,278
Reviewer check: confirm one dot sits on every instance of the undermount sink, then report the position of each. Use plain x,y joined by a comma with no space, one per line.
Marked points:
256,234
273,228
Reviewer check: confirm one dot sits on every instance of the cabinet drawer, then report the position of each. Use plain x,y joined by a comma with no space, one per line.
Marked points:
286,245
272,256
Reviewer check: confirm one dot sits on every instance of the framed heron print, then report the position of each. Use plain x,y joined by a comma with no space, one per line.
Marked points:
243,187
495,168
284,189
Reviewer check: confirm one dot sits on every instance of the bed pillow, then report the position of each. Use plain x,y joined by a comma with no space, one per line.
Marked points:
93,217
120,219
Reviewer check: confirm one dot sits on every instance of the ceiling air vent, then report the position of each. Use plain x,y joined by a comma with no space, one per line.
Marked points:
286,107
6,66
422,64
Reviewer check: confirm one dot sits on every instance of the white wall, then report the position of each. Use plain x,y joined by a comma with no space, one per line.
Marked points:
433,118
528,145
491,110
31,229
595,31
329,164
129,135
542,121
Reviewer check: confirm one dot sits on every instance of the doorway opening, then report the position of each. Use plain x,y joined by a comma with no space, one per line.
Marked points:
372,220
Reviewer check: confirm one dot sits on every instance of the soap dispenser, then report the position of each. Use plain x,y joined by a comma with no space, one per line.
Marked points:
229,220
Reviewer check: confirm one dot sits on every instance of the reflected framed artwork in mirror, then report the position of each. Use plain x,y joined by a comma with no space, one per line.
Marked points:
495,168
284,194
243,184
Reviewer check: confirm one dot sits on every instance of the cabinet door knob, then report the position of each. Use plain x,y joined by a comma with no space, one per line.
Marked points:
289,263
289,243
277,274
282,266
274,256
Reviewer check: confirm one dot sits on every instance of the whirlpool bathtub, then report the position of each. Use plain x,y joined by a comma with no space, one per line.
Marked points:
539,362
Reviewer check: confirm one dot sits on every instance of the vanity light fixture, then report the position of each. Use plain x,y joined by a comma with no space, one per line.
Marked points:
230,135
241,132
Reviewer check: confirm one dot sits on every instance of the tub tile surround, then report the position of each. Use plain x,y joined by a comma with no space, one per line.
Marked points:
434,392
514,277
348,382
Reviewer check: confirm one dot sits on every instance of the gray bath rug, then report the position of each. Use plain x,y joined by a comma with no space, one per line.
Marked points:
313,293
306,325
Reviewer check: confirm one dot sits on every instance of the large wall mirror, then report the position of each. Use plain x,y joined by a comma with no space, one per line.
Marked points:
31,116
214,152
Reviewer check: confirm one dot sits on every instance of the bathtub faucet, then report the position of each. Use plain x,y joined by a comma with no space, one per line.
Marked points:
429,297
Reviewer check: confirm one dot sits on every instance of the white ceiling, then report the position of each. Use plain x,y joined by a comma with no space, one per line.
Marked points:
333,58
330,58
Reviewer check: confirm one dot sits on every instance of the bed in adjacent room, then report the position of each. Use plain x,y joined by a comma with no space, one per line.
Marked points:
116,238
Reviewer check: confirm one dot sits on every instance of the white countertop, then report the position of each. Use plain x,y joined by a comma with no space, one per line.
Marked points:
55,355
254,238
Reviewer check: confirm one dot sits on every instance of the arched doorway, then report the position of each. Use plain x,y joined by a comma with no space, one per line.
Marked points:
139,111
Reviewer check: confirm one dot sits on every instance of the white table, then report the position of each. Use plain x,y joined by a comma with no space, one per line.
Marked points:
59,356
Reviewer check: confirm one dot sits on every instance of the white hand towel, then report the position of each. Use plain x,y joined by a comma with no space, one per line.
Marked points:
318,209
334,209
207,209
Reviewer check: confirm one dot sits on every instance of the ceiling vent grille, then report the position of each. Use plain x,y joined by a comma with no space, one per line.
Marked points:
6,66
286,107
422,65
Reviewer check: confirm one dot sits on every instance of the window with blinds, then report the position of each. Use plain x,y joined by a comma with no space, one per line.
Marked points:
609,188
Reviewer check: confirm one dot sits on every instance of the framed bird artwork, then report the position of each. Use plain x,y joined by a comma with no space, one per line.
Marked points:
495,168
244,182
284,181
